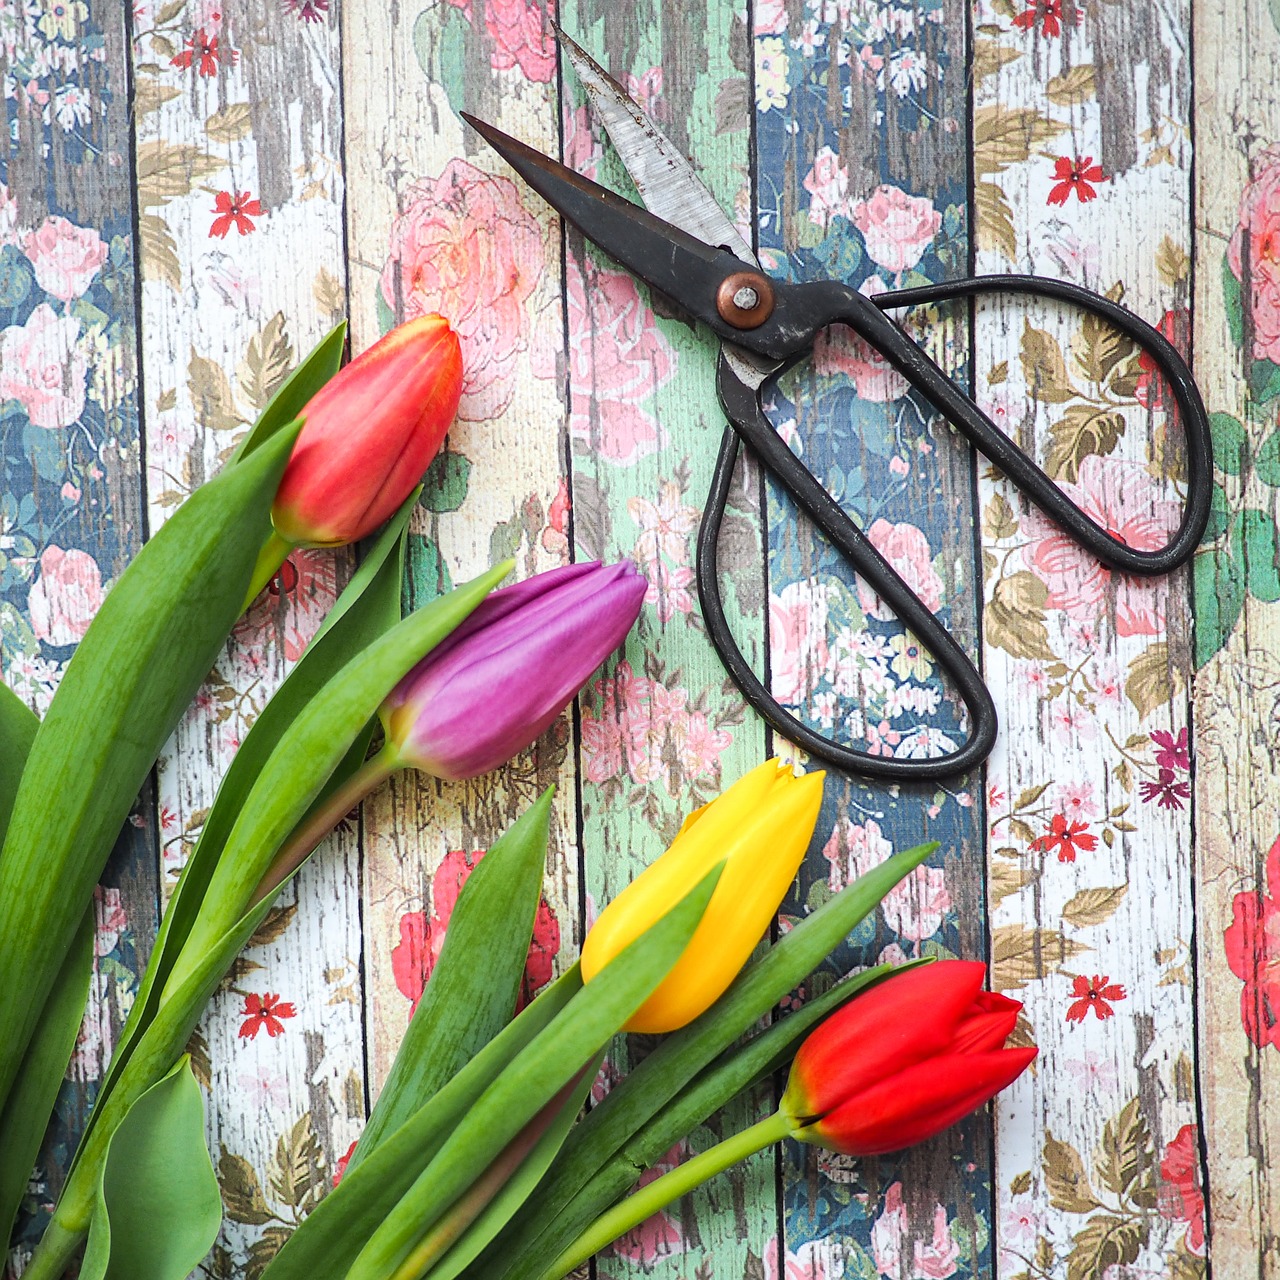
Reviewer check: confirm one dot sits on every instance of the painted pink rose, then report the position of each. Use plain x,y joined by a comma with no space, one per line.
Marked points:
897,227
798,654
617,359
916,906
812,1260
293,604
839,350
522,37
1122,497
906,548
828,186
422,936
64,257
109,919
582,146
43,367
466,247
770,17
933,1257
1254,252
64,598
853,849
659,1236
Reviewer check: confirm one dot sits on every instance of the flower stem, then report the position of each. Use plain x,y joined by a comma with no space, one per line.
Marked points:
644,1203
273,554
53,1254
368,777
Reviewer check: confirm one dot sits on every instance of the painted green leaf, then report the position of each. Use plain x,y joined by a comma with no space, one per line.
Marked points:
131,678
1219,514
1218,591
1266,465
476,981
532,1079
444,487
158,1208
1230,443
1255,543
1232,303
1264,380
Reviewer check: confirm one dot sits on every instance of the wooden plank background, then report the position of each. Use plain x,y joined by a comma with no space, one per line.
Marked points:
196,190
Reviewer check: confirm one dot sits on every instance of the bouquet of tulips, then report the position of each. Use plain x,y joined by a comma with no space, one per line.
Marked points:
475,1160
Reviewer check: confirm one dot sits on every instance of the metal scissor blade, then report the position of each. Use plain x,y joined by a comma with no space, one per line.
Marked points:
664,178
683,267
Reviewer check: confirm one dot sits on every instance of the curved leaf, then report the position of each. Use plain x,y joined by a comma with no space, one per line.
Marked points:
18,725
158,1208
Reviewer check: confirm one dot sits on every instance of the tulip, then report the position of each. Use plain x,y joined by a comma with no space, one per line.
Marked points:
502,678
369,434
895,1066
904,1061
760,828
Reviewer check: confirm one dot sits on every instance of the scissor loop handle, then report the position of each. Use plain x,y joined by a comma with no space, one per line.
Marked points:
831,302
743,407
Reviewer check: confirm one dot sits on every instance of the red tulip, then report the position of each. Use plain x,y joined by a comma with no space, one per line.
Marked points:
370,433
904,1060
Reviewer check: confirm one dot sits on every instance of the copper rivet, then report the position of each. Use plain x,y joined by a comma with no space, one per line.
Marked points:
745,299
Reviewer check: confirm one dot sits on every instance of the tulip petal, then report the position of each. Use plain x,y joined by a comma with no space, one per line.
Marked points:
988,1025
917,1103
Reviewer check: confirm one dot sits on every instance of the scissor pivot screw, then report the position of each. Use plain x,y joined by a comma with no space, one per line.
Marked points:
745,299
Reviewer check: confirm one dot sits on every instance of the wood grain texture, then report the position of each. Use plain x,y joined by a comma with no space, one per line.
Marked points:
1088,803
1238,636
431,229
240,201
71,510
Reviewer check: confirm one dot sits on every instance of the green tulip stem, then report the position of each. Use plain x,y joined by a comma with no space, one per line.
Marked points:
53,1254
275,551
644,1203
313,828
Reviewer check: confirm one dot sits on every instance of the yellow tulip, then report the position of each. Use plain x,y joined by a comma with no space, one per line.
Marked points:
760,829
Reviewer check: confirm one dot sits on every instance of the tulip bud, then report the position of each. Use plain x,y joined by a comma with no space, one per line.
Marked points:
903,1061
760,829
503,676
369,434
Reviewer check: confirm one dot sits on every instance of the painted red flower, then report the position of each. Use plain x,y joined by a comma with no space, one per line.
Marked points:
307,10
265,1010
422,936
1046,14
1075,176
1167,792
233,208
340,1166
1252,944
203,50
1172,753
1067,838
1151,390
1096,994
1181,1197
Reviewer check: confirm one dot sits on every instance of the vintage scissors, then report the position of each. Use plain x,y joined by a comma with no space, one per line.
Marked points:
684,246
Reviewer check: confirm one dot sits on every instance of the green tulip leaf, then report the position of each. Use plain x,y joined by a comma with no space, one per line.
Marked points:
334,1232
531,1080
131,677
519,1186
18,725
1218,592
681,1056
158,1208
476,981
291,398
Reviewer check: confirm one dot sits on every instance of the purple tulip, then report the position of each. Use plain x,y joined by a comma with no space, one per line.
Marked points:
502,677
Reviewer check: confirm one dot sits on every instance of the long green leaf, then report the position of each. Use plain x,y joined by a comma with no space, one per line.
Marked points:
681,1056
369,607
534,1077
35,1091
723,1080
336,1230
131,677
18,725
517,1189
476,981
310,749
158,1208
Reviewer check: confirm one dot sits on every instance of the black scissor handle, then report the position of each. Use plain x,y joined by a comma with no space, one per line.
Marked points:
743,407
830,302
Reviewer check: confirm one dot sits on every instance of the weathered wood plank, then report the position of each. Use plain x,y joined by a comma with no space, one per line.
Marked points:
663,730
240,206
1089,842
432,228
71,487
1238,632
862,163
